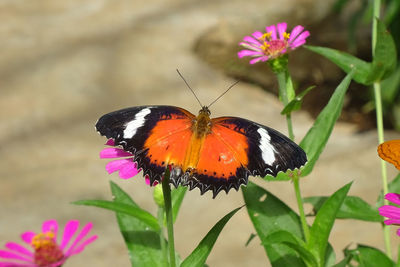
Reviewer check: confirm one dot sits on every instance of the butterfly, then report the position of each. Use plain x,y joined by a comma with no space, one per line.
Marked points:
390,151
208,153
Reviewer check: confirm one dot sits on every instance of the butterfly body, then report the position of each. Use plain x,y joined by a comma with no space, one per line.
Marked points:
209,153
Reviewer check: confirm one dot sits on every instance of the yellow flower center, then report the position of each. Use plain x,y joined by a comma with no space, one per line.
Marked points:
46,249
274,48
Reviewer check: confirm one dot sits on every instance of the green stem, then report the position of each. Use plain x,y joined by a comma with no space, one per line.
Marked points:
379,122
286,92
377,9
168,213
303,220
160,216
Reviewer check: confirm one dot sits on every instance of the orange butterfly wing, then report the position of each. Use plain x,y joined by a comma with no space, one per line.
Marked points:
390,151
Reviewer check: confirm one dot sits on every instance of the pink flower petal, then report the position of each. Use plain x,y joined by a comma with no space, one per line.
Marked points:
258,59
392,221
113,152
389,211
393,197
398,232
50,225
245,53
85,230
302,37
110,142
251,40
296,44
116,165
27,237
11,255
19,249
128,170
80,247
147,179
271,29
69,230
281,29
13,264
296,31
257,34
251,47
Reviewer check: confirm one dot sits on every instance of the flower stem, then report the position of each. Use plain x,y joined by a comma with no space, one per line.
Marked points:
286,94
379,122
168,213
160,217
304,224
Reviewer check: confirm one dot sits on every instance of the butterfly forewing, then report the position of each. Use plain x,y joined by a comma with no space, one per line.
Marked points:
155,135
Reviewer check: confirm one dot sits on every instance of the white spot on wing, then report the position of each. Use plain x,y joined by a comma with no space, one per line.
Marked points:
267,150
132,126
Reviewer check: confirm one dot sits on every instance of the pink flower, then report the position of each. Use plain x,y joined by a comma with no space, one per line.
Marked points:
391,212
273,43
124,164
46,251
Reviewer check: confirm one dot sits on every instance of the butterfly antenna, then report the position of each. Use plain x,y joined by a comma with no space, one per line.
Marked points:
226,91
189,87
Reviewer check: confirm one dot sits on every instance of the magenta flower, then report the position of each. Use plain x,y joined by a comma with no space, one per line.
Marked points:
391,212
273,43
124,164
46,251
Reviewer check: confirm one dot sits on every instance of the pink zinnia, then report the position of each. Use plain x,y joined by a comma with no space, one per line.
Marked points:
46,251
273,43
391,212
124,162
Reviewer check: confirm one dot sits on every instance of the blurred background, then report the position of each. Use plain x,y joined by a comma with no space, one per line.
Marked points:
63,64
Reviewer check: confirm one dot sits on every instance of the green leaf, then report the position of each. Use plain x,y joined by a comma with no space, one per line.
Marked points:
323,223
295,104
294,242
385,57
282,176
268,215
317,137
131,210
177,196
369,257
199,255
330,257
393,187
383,64
251,237
342,263
143,244
362,69
391,87
352,208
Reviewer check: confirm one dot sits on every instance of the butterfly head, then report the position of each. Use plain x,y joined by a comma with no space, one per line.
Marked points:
205,111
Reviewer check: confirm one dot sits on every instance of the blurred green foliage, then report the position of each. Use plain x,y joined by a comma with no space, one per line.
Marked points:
390,15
